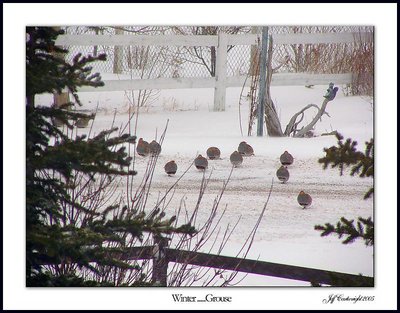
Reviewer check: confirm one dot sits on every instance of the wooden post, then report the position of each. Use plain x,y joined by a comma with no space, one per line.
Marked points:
60,98
263,80
63,97
160,262
254,54
220,73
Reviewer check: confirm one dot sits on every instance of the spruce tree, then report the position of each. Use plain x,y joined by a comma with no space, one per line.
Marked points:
53,163
344,155
362,164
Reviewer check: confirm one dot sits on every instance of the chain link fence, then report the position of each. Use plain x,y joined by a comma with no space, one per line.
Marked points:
174,62
156,61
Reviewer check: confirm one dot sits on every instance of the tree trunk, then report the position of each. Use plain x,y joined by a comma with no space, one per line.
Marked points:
213,61
30,101
271,117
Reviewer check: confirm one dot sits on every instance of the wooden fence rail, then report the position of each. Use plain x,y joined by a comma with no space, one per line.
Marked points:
267,268
207,40
278,79
162,255
221,81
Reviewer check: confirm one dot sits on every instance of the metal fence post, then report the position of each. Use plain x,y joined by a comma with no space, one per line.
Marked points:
220,73
263,79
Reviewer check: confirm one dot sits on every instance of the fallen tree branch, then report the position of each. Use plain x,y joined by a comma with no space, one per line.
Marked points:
292,125
311,125
291,128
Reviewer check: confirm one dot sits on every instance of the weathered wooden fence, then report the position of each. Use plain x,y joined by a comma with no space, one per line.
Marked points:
221,81
162,256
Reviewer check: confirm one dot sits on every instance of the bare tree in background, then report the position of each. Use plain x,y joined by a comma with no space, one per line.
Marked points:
146,62
207,56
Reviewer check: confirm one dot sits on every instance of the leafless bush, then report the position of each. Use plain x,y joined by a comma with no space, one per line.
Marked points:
206,240
362,65
356,57
118,197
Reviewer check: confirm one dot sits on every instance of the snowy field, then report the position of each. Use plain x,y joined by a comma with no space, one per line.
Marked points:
286,233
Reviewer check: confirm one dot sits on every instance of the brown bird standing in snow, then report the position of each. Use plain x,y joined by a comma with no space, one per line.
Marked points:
155,147
248,151
245,149
170,168
304,199
286,158
142,148
241,147
213,153
201,162
283,174
236,159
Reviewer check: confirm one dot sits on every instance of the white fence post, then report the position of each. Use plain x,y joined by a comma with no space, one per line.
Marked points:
220,73
118,54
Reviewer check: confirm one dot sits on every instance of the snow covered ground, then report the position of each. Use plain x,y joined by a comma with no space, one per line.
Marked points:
286,233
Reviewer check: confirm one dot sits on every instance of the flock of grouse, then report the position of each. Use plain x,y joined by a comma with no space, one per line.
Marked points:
144,148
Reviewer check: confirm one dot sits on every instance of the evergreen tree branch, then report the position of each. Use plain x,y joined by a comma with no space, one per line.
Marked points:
363,229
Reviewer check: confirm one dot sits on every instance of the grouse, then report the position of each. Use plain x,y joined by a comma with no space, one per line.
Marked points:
245,149
201,162
236,159
304,199
213,153
283,174
155,147
170,168
286,158
143,147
